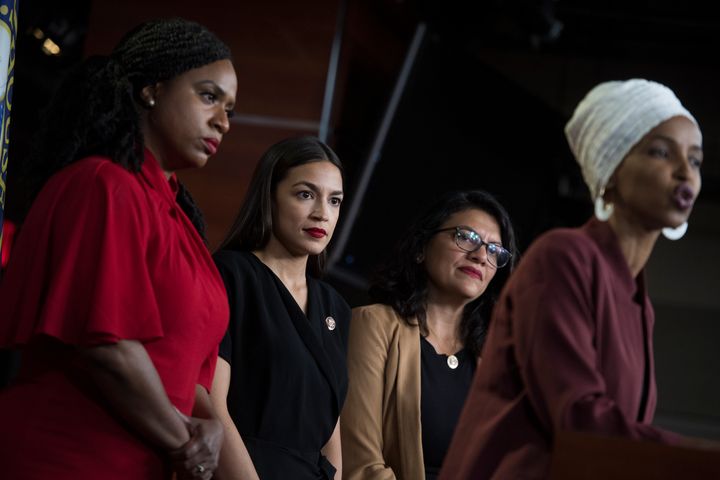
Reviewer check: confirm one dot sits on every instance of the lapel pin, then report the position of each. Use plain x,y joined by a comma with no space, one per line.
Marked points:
330,322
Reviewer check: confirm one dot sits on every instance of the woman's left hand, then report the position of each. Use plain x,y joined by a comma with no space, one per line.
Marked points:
199,457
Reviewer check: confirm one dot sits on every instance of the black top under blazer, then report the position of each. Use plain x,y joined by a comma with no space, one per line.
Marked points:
288,370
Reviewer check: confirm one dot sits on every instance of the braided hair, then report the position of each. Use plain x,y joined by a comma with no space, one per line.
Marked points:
95,110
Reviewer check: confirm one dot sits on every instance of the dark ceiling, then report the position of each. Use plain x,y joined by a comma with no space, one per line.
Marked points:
484,106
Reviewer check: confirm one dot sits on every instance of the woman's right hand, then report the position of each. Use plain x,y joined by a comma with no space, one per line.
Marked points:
199,457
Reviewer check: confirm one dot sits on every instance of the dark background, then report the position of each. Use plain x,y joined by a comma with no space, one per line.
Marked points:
484,106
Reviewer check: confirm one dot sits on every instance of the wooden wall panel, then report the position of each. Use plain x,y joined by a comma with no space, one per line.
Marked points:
281,50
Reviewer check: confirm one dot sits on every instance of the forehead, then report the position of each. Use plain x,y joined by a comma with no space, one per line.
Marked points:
681,130
479,220
221,73
321,173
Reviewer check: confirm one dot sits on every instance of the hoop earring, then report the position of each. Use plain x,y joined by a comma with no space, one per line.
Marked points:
675,233
603,210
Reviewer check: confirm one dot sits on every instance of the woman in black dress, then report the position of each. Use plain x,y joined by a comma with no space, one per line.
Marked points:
281,378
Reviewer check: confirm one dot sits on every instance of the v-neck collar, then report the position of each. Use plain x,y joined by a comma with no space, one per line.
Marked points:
306,324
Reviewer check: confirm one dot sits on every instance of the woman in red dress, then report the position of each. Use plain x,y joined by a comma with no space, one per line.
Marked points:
111,293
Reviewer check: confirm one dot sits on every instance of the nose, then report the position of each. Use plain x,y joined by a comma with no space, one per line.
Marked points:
321,210
479,255
221,120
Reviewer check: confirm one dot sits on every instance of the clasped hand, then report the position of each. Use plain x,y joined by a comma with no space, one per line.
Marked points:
199,457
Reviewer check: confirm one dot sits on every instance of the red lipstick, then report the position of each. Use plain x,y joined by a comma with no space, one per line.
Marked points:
211,145
472,272
316,232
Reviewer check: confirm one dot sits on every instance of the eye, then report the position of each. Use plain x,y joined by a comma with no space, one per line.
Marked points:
468,236
230,113
305,194
695,162
658,152
209,97
492,249
335,201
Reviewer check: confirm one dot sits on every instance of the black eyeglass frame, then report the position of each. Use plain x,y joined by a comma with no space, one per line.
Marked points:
481,242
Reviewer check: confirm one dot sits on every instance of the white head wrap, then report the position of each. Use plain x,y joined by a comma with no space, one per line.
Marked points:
611,119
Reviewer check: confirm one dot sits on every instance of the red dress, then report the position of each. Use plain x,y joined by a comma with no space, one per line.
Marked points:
104,254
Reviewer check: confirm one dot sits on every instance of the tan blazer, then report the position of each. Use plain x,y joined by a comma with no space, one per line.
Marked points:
380,422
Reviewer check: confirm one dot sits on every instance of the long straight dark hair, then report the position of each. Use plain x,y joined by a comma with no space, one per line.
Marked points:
254,224
402,282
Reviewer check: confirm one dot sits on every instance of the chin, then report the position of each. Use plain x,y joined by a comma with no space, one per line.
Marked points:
469,293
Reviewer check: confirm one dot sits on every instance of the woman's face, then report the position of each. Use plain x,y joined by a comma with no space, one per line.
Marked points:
306,208
657,183
454,274
190,115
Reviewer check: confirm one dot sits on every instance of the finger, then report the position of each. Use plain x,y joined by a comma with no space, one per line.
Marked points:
207,461
186,420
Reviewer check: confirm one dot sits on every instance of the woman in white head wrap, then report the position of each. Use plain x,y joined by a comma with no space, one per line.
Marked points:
570,341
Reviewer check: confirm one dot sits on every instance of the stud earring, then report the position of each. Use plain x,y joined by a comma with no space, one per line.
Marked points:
151,102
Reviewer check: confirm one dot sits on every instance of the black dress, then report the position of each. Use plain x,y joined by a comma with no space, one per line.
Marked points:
289,374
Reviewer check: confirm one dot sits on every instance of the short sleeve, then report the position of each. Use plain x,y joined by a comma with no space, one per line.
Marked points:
207,370
80,270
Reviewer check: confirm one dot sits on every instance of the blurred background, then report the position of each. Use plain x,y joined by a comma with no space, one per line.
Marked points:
420,97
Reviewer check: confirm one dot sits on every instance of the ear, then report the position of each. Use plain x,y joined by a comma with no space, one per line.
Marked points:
148,95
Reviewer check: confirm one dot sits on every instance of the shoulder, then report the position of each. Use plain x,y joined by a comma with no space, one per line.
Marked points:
573,241
98,168
374,328
379,316
94,177
559,249
559,262
236,261
95,192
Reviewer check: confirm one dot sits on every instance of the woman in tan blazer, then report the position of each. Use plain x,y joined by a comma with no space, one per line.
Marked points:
412,355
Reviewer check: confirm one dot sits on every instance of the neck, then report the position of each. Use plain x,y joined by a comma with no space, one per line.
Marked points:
290,269
443,321
636,242
152,145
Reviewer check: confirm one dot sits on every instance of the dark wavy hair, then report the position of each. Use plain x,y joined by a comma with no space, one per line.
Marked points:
402,282
96,109
253,226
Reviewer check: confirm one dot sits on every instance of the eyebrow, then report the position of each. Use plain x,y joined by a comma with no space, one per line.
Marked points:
490,240
315,188
659,136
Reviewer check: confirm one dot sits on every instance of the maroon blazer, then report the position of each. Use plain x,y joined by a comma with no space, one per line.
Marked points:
569,348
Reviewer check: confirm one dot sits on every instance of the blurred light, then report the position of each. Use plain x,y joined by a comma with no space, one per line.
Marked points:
50,48
39,34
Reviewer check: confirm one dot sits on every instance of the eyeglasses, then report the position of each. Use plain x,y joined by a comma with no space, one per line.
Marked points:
469,241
